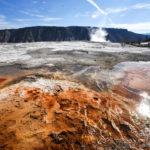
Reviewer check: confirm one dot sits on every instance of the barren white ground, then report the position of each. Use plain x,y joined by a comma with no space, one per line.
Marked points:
19,53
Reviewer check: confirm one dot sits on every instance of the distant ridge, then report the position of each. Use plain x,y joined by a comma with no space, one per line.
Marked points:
72,33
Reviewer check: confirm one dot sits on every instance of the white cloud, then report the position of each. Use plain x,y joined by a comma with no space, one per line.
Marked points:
22,20
99,11
82,14
46,19
3,21
2,16
96,14
31,14
118,10
44,2
37,17
122,15
141,6
97,7
34,2
115,10
4,24
142,27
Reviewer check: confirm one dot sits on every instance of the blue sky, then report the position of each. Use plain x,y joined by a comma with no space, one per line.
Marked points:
130,14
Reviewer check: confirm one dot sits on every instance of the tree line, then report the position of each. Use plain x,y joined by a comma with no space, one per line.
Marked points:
140,42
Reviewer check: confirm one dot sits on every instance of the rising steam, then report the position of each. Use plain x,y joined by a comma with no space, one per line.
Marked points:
98,35
144,107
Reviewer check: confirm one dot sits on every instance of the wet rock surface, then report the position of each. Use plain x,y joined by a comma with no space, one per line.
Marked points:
68,117
73,106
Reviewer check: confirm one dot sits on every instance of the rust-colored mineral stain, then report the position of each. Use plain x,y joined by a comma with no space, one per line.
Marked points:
122,91
70,119
2,80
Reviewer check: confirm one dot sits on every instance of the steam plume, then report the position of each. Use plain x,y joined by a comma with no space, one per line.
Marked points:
98,35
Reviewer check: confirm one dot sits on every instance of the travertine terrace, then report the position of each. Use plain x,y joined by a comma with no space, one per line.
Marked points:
95,100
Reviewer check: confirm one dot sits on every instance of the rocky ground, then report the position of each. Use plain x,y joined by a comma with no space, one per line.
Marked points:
73,96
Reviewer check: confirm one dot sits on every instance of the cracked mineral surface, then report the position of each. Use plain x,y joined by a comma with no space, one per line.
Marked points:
62,96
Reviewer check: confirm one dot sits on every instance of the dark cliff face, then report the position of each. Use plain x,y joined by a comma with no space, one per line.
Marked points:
123,35
38,34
